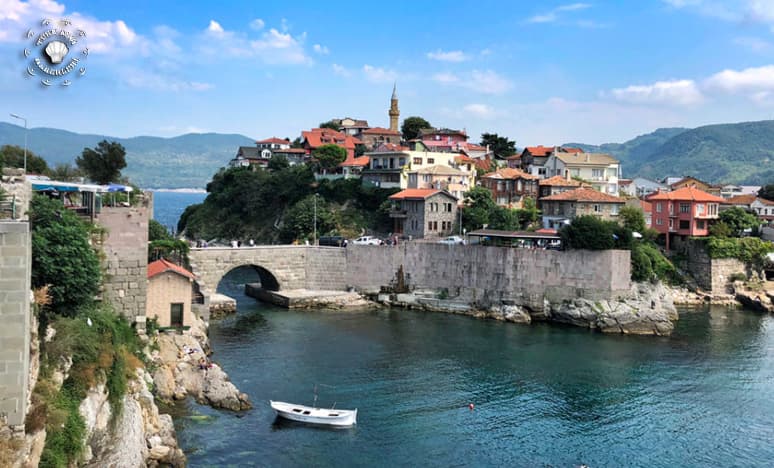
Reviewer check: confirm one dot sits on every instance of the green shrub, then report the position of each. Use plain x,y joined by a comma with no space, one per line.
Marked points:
750,250
738,276
592,233
649,264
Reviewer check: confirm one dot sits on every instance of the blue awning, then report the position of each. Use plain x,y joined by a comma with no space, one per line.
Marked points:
54,188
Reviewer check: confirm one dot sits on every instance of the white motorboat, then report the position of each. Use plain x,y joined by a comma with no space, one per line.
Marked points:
310,414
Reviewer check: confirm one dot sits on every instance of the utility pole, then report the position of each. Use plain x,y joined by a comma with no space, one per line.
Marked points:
15,116
314,238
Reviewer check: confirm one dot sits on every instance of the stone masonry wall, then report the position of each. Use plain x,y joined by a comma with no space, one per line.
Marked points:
15,271
712,275
126,258
17,188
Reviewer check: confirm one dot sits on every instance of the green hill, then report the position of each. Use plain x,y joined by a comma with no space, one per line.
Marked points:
740,153
185,161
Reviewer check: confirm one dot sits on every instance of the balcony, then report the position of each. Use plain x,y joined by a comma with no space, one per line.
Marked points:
398,214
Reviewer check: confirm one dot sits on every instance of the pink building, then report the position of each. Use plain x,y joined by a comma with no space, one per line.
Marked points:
685,212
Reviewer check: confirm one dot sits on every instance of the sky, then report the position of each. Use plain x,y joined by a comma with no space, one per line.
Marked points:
537,72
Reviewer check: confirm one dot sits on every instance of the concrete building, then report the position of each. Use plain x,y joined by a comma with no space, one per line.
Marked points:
557,184
441,177
533,159
562,208
373,137
170,293
424,213
600,170
643,187
676,183
684,212
318,137
390,169
351,126
510,186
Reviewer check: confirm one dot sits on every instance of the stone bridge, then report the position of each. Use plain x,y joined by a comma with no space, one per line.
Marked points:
279,267
522,276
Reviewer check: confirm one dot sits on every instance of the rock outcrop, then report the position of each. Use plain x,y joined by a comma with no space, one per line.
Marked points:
184,369
648,310
758,297
140,436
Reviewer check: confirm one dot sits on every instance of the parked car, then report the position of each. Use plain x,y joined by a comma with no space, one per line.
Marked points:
367,240
452,240
332,241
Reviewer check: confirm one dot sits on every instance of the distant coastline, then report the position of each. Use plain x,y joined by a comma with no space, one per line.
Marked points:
178,190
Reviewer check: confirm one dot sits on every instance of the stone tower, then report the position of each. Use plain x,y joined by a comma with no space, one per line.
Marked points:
394,112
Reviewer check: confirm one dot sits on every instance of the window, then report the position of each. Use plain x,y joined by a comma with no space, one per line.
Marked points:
671,208
671,224
429,225
658,207
430,160
435,225
597,173
597,209
614,209
417,160
402,162
713,209
659,221
685,207
700,209
541,171
700,224
685,224
449,207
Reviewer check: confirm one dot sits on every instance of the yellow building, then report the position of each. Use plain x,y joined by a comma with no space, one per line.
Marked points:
170,293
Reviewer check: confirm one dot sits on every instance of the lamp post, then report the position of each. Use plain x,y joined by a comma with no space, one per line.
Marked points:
314,238
25,139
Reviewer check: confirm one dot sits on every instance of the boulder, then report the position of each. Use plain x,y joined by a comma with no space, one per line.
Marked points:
164,381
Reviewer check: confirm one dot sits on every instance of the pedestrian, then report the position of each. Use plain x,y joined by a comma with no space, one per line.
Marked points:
252,242
345,242
239,243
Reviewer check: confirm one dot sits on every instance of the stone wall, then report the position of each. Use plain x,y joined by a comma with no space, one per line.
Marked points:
493,274
712,275
15,271
126,258
18,191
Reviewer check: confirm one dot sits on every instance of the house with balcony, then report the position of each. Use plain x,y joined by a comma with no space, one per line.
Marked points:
556,184
390,169
440,177
562,208
730,191
687,211
373,137
443,139
351,126
600,170
533,159
763,208
423,213
676,183
318,137
510,186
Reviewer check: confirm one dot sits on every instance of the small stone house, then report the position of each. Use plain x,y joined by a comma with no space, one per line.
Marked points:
564,207
170,293
423,213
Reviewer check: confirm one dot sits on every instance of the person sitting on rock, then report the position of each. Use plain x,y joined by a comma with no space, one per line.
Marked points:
202,363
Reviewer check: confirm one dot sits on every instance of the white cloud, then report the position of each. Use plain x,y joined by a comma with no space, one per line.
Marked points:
143,79
340,70
449,56
379,75
753,43
679,92
273,46
750,81
215,29
257,24
553,15
486,82
740,11
320,49
481,111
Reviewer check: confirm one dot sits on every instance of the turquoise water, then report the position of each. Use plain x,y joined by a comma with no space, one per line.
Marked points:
544,395
168,206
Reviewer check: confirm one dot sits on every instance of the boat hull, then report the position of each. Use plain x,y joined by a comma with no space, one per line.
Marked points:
310,415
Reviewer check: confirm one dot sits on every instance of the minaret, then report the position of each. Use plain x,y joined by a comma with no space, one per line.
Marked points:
394,112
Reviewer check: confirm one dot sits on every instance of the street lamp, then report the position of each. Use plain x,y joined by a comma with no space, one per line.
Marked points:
25,139
314,238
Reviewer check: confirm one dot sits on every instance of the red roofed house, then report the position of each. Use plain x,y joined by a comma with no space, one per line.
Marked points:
563,207
373,137
760,206
318,137
352,166
533,158
685,212
423,213
510,186
170,293
557,184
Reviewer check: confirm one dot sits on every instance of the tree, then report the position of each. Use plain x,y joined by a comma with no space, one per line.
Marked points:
478,208
632,218
298,142
278,162
103,164
299,220
592,233
738,220
411,127
528,215
13,156
330,124
65,172
157,231
501,146
329,156
720,229
767,192
62,256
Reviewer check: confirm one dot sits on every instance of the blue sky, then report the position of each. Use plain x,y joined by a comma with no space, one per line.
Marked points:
537,72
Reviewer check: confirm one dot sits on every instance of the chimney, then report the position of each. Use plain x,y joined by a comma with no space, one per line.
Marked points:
587,157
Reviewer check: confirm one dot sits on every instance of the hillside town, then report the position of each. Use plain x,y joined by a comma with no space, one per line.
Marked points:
434,169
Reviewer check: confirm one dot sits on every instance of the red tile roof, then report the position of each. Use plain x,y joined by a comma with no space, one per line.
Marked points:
510,173
647,207
276,140
380,131
463,158
686,194
415,194
584,194
352,161
485,164
546,231
539,150
559,181
741,199
325,136
161,266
